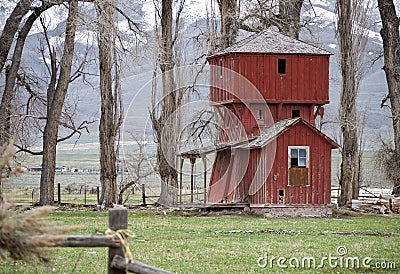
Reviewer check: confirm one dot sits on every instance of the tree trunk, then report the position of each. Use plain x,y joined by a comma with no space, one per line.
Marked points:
391,50
348,114
6,107
55,104
229,22
166,124
289,17
11,28
107,128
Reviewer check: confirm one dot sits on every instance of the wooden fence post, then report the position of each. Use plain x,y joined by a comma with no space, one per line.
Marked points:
85,193
144,195
118,219
98,195
59,193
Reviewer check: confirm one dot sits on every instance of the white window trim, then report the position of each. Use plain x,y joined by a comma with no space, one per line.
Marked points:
307,148
260,120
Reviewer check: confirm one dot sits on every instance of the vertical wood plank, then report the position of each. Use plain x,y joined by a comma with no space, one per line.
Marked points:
118,219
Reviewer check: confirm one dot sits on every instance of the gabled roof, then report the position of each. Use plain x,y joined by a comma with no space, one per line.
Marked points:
282,126
269,41
261,140
272,132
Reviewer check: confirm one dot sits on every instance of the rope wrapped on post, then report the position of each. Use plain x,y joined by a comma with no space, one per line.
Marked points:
123,237
126,263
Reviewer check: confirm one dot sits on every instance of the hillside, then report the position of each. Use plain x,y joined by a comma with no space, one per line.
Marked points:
138,71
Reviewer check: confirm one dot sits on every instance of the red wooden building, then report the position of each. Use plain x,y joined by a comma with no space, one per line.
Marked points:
268,90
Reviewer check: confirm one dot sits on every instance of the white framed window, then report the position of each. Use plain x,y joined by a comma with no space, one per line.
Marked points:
298,165
298,156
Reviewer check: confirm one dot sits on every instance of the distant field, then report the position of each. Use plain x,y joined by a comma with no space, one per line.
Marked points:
186,242
371,176
26,186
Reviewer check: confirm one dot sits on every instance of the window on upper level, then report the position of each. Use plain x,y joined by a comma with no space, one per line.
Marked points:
282,66
220,67
260,115
295,113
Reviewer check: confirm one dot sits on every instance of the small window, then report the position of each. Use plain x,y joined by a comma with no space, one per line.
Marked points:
298,166
295,113
220,67
298,157
282,66
260,115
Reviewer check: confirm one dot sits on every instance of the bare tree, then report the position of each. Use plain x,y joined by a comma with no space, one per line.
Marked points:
55,100
164,114
351,33
139,167
391,50
111,111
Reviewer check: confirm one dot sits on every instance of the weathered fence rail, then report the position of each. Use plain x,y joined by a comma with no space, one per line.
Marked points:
117,261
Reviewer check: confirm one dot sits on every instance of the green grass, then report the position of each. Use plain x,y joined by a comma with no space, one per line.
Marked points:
190,243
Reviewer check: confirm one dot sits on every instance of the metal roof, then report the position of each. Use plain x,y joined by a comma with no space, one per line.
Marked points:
275,130
269,41
272,132
266,136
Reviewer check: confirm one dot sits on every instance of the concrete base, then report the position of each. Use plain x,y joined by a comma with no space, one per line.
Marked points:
293,211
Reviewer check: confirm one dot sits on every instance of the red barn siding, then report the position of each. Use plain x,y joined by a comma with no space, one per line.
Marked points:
318,190
219,177
306,78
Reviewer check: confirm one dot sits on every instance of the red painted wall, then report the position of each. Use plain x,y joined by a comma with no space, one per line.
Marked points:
319,190
306,79
259,186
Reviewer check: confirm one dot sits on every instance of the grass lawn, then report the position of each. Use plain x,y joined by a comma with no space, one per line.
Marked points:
229,244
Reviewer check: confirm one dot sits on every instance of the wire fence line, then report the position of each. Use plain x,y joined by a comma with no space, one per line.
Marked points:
89,195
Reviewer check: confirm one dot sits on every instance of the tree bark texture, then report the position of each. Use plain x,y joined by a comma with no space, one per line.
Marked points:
11,28
166,125
289,17
107,127
348,113
391,51
229,11
55,104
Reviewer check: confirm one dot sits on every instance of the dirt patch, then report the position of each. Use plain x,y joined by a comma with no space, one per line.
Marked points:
359,233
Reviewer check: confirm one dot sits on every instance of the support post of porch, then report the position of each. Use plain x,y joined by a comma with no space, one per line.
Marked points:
192,162
204,178
180,180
